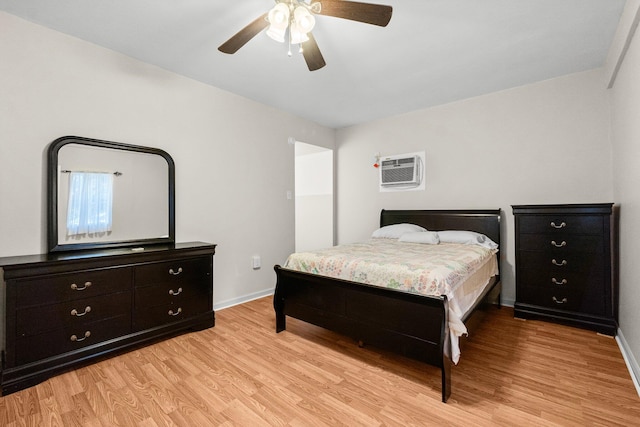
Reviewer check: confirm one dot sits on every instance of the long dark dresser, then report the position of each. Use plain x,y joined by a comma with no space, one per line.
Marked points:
63,310
566,264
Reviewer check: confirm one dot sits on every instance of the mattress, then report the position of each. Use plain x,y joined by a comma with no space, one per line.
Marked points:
461,272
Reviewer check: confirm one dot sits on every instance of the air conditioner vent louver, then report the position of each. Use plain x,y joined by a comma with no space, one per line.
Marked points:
395,175
400,171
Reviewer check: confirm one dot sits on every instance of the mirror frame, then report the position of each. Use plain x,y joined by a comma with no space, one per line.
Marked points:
53,244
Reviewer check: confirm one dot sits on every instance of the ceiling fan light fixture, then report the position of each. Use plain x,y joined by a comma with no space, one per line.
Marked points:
298,37
278,22
292,21
303,20
276,34
279,15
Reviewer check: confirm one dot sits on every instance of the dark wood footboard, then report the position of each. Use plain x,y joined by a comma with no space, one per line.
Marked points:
408,324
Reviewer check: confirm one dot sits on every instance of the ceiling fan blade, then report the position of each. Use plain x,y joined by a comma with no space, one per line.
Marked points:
312,55
376,14
244,35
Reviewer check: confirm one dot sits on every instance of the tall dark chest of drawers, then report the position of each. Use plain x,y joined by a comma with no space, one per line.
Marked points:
566,264
64,310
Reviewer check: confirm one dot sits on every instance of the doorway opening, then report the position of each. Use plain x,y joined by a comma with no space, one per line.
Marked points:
313,197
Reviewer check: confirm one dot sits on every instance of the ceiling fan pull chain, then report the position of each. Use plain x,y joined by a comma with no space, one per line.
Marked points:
290,26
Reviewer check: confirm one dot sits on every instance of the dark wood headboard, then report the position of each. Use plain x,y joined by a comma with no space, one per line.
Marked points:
485,221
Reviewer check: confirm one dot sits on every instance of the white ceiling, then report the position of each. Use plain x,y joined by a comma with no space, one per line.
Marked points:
432,52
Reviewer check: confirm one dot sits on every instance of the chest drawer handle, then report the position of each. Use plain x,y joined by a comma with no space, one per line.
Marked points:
76,288
557,301
178,311
174,293
559,264
175,272
561,225
74,312
562,282
76,339
558,245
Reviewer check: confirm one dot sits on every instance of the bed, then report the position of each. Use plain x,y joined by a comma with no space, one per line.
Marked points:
407,323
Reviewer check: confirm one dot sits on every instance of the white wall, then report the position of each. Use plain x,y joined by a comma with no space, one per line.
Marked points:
625,134
233,163
541,143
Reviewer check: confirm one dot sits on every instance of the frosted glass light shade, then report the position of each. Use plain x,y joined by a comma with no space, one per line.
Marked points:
276,34
304,20
279,21
298,37
279,15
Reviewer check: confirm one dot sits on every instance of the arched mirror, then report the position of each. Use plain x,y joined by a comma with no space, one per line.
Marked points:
104,194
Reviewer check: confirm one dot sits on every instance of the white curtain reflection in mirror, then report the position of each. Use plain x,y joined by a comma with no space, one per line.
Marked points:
90,208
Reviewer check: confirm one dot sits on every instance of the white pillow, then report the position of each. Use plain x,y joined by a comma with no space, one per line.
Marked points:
467,238
396,230
428,237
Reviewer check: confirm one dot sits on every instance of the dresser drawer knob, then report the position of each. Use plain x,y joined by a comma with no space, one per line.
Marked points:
561,282
76,339
561,225
76,288
559,264
175,272
557,301
174,293
178,311
558,245
74,312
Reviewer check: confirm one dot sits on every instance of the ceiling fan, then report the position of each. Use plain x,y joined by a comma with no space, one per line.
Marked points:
293,20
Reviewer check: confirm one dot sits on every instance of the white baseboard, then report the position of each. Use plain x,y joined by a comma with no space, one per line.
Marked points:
629,359
507,302
241,300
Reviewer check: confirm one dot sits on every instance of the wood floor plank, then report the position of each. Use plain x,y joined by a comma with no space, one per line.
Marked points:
241,373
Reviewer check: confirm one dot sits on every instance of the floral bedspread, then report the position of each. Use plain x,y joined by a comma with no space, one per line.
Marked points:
411,267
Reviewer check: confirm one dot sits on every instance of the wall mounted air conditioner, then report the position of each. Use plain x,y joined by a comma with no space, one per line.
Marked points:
400,171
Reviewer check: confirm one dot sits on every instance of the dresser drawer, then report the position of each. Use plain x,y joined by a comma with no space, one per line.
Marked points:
158,315
562,223
51,343
77,313
173,272
560,263
72,286
557,279
171,293
561,244
564,298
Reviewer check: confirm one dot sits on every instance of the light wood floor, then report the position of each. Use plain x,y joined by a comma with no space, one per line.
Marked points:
241,373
